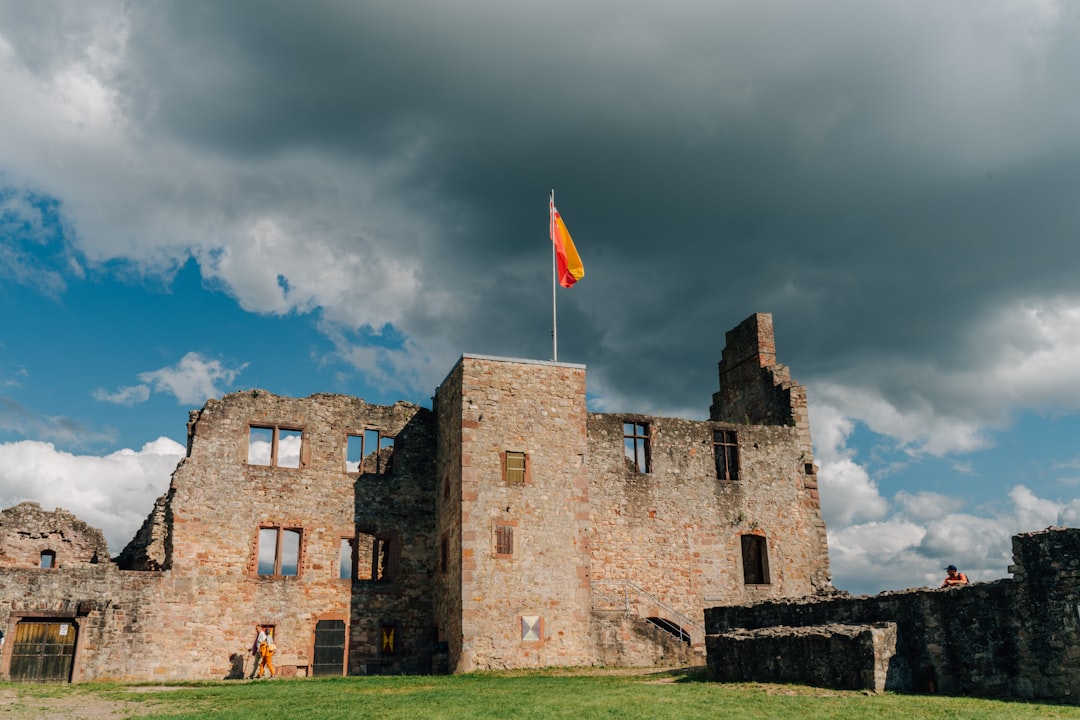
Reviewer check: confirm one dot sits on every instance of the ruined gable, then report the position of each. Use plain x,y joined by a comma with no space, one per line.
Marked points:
31,537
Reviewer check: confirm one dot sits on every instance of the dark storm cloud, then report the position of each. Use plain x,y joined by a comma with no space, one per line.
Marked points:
883,179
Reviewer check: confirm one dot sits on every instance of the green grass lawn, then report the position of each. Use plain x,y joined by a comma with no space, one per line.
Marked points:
542,694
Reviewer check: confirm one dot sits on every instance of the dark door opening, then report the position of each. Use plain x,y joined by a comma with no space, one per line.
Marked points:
329,648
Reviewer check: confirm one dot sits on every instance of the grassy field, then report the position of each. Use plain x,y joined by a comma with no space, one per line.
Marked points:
545,694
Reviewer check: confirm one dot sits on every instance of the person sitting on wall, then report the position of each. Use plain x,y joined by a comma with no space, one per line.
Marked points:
955,577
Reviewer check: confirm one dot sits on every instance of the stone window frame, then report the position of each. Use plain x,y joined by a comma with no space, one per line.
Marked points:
51,555
511,474
637,444
726,454
281,529
275,430
502,538
384,545
755,548
526,625
350,556
380,438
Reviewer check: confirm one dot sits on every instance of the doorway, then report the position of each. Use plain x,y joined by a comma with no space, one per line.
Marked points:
43,651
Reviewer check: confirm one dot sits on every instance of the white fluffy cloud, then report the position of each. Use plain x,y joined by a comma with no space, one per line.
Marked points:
194,379
114,493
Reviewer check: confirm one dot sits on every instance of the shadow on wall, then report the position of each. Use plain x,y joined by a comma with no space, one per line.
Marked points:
236,667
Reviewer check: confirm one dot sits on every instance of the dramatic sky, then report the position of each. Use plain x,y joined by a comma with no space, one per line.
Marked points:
201,197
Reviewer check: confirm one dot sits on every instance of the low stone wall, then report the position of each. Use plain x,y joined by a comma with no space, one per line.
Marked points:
1009,638
848,657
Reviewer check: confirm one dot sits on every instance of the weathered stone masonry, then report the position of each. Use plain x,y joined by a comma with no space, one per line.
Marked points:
1012,638
505,527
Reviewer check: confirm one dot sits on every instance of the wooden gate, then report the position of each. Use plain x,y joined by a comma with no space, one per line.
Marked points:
43,651
329,648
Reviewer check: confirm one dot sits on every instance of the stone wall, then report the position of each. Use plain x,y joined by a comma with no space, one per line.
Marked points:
1015,638
676,531
452,559
536,408
27,532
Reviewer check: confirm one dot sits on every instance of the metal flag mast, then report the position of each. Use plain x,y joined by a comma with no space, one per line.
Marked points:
554,280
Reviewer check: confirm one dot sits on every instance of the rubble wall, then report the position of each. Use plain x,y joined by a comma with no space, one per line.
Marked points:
1010,638
27,531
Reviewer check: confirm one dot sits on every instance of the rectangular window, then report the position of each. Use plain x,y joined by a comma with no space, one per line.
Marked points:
755,560
377,557
504,540
636,446
279,551
345,559
444,554
48,559
726,451
369,452
514,468
274,446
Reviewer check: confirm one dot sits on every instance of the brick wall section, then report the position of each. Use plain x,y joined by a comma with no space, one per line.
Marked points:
537,408
1016,638
26,531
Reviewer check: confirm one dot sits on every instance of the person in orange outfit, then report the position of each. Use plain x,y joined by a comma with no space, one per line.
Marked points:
266,651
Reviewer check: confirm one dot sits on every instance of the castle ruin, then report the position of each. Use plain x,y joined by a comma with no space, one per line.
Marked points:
505,527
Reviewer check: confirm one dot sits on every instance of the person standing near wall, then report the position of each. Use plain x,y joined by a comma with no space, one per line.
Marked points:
265,643
954,577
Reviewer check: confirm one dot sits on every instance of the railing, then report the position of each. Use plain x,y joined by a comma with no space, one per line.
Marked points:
628,586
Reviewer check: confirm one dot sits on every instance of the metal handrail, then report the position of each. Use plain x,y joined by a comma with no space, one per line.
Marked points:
628,585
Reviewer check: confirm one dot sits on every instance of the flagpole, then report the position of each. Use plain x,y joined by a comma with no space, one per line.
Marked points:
554,281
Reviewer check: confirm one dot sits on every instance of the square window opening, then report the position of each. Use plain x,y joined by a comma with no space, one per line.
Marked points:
279,552
273,446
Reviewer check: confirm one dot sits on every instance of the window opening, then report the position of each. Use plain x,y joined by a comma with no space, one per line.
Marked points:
369,452
272,446
504,540
515,467
48,559
636,446
345,560
376,557
755,556
444,553
726,451
279,551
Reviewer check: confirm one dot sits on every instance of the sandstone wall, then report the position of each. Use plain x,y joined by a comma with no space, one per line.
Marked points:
675,532
536,408
27,531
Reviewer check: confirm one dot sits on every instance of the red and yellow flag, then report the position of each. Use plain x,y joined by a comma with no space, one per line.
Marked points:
567,261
